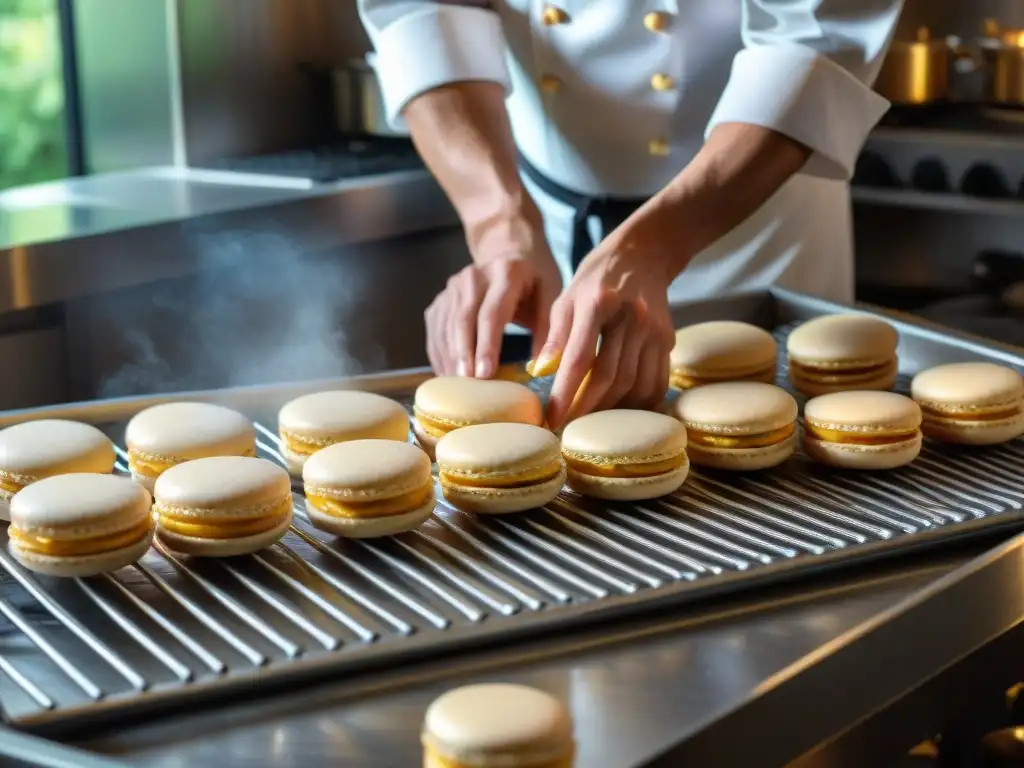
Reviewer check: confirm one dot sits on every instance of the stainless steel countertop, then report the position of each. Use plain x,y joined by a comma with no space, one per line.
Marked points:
77,237
634,690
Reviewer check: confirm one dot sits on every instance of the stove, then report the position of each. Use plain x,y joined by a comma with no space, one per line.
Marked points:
330,162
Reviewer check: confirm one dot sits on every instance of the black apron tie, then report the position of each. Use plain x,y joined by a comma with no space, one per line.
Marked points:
610,211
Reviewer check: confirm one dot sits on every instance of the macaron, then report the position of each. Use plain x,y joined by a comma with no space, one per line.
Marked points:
835,353
80,524
163,436
862,430
498,468
625,455
494,725
37,449
311,422
367,488
446,403
222,506
741,425
970,403
722,350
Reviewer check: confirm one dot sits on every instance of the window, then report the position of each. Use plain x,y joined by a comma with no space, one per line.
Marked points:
33,113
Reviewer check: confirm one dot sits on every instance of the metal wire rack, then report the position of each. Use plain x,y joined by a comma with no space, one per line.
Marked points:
84,650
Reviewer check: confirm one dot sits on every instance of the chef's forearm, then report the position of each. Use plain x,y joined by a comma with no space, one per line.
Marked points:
737,170
462,132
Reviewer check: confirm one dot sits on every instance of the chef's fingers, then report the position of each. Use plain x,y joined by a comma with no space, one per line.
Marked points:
606,368
431,318
467,292
496,311
579,353
627,371
652,378
559,327
543,300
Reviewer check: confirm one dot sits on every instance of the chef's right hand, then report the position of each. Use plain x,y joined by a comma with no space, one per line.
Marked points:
466,321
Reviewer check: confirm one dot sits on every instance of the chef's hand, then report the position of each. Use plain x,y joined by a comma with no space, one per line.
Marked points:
466,321
619,296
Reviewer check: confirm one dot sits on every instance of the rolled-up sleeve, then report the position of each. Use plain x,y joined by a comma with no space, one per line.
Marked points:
806,71
422,45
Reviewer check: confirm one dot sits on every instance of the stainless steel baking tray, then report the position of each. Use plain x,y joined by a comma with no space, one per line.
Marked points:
170,631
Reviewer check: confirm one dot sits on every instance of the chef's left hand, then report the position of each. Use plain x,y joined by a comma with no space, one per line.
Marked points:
619,296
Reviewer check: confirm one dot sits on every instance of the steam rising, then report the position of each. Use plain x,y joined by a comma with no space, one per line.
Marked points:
257,312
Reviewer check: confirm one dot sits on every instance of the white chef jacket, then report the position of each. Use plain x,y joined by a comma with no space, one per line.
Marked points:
614,97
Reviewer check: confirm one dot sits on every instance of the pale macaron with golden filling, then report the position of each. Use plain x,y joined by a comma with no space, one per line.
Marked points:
499,725
367,488
312,422
163,436
35,450
741,425
862,430
722,350
499,468
80,524
836,353
447,403
625,455
222,506
970,403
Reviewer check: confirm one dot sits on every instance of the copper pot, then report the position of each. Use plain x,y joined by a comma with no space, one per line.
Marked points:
1003,55
916,71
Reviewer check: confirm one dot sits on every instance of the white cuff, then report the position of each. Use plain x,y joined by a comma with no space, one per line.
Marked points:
799,92
436,46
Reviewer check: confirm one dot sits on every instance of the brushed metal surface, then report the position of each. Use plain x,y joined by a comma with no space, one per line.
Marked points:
169,629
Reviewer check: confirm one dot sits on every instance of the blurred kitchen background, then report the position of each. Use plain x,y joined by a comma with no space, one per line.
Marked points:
201,193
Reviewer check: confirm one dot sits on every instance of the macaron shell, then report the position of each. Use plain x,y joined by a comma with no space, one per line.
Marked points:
736,408
367,469
864,412
722,348
628,488
463,401
849,456
834,339
500,501
55,447
294,462
510,724
968,386
742,459
625,435
191,431
973,432
497,448
345,415
81,505
222,483
80,567
370,527
425,440
197,547
147,482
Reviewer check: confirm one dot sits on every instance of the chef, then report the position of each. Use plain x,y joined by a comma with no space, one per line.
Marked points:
641,151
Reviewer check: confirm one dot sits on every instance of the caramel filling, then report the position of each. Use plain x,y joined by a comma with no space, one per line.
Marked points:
9,486
526,478
681,380
299,446
434,759
759,440
881,437
223,527
358,510
94,545
994,415
151,465
825,370
433,427
588,466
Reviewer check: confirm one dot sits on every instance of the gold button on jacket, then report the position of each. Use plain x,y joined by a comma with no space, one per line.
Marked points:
658,21
662,82
554,15
658,148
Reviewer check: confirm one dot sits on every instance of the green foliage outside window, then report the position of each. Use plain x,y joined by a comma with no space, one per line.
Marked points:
32,134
